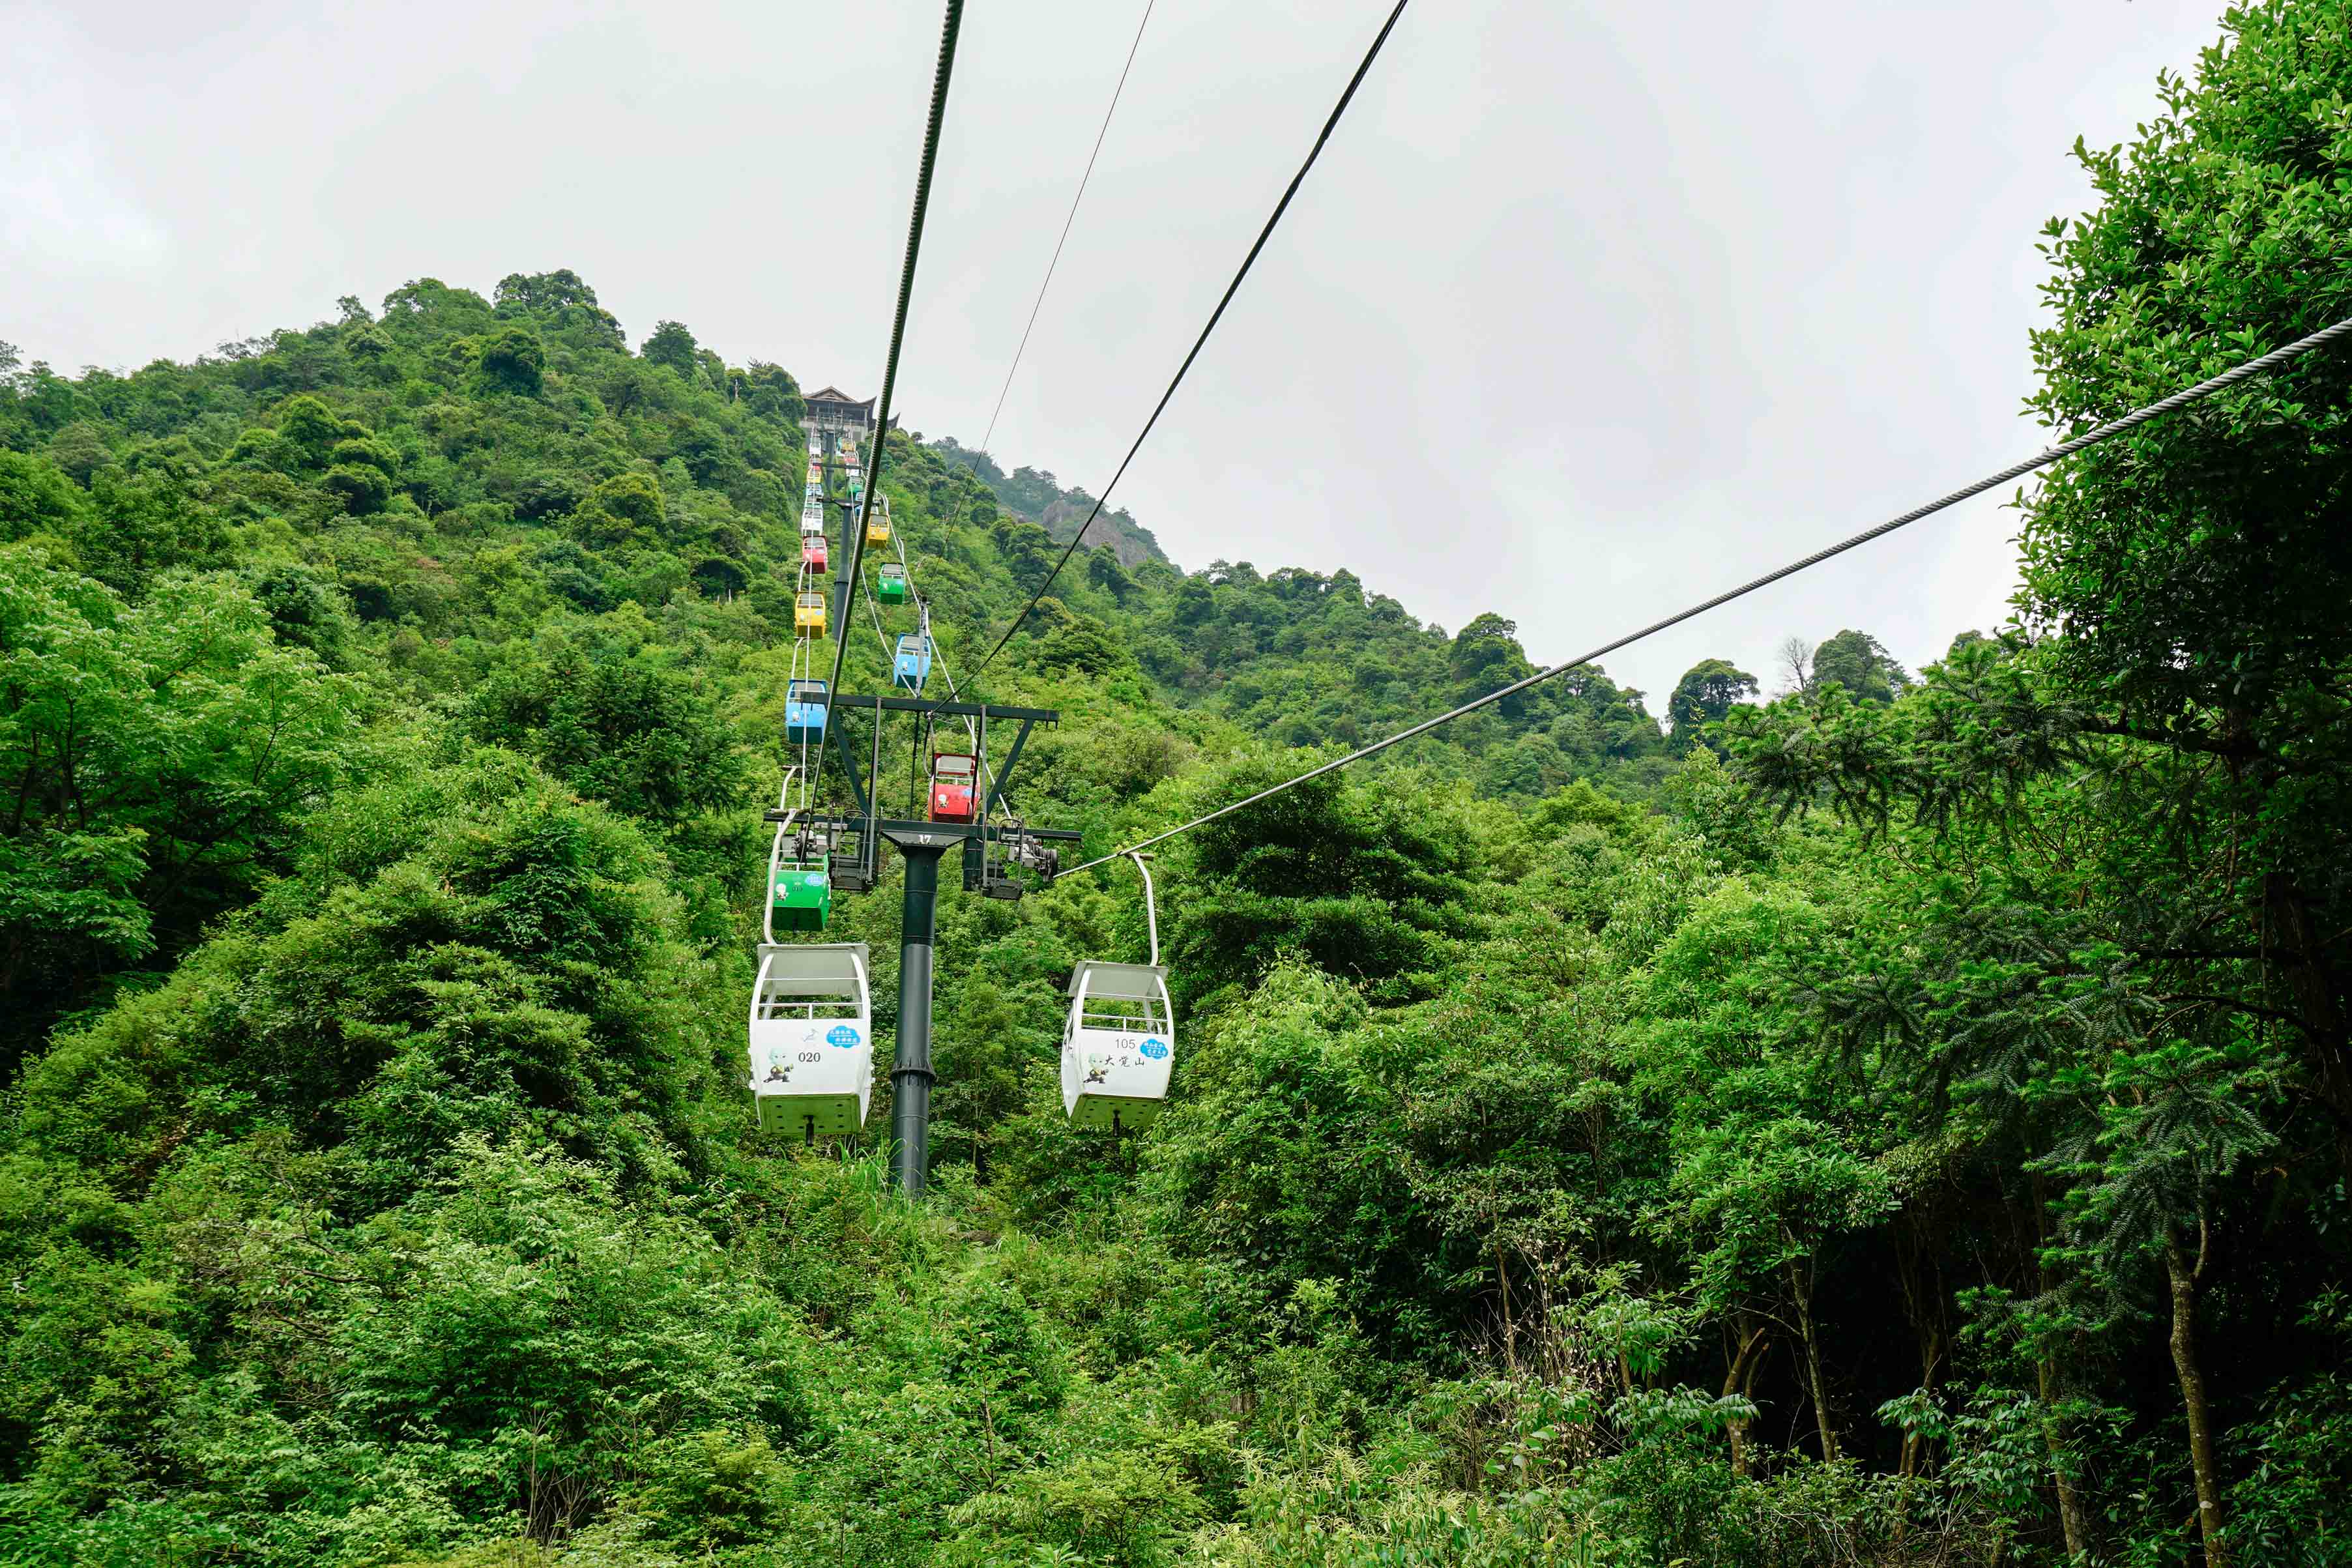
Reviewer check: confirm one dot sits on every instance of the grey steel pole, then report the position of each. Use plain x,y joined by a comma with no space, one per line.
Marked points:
842,576
841,582
910,1072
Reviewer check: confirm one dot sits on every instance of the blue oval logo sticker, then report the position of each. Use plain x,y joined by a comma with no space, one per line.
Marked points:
843,1035
1155,1047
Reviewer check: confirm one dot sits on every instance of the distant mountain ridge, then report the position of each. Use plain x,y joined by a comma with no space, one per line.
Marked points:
1037,495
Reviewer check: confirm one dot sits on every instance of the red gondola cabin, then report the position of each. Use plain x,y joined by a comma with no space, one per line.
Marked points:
812,551
955,776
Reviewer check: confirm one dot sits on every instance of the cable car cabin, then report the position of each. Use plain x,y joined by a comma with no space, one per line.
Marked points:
878,528
812,551
1117,1046
804,712
800,898
813,517
808,613
891,586
912,665
955,783
812,1041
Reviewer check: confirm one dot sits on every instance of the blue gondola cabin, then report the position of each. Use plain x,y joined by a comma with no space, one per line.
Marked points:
804,712
912,665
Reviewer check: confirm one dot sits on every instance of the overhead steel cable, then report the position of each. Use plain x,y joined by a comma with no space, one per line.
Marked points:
2089,438
940,78
1330,124
998,412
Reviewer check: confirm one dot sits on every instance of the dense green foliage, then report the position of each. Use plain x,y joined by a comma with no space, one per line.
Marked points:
1906,1121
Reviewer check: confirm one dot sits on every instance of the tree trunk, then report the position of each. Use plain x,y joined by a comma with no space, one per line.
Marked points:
1510,1326
2074,1509
1922,1300
1739,1380
1801,1286
1914,1444
2188,1281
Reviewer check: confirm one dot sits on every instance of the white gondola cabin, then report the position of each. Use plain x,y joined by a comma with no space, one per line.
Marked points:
812,1041
1117,1047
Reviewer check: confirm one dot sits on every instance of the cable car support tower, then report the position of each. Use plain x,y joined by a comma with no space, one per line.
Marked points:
960,817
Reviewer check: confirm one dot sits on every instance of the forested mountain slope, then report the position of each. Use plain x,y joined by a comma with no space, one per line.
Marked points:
491,518
1037,497
1902,1123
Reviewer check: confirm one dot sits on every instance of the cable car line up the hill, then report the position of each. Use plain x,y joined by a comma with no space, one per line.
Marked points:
2089,438
950,30
807,708
810,1021
1120,1034
1330,123
810,1026
810,1012
911,656
810,1029
798,890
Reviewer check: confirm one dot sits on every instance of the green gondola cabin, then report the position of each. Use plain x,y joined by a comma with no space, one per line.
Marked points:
801,899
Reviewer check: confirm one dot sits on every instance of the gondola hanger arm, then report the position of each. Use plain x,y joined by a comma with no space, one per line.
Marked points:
1150,905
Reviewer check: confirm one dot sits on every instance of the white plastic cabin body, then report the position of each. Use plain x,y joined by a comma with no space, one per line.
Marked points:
1117,1046
812,1039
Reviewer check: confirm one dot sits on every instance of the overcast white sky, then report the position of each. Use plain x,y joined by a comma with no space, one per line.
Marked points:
1591,308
